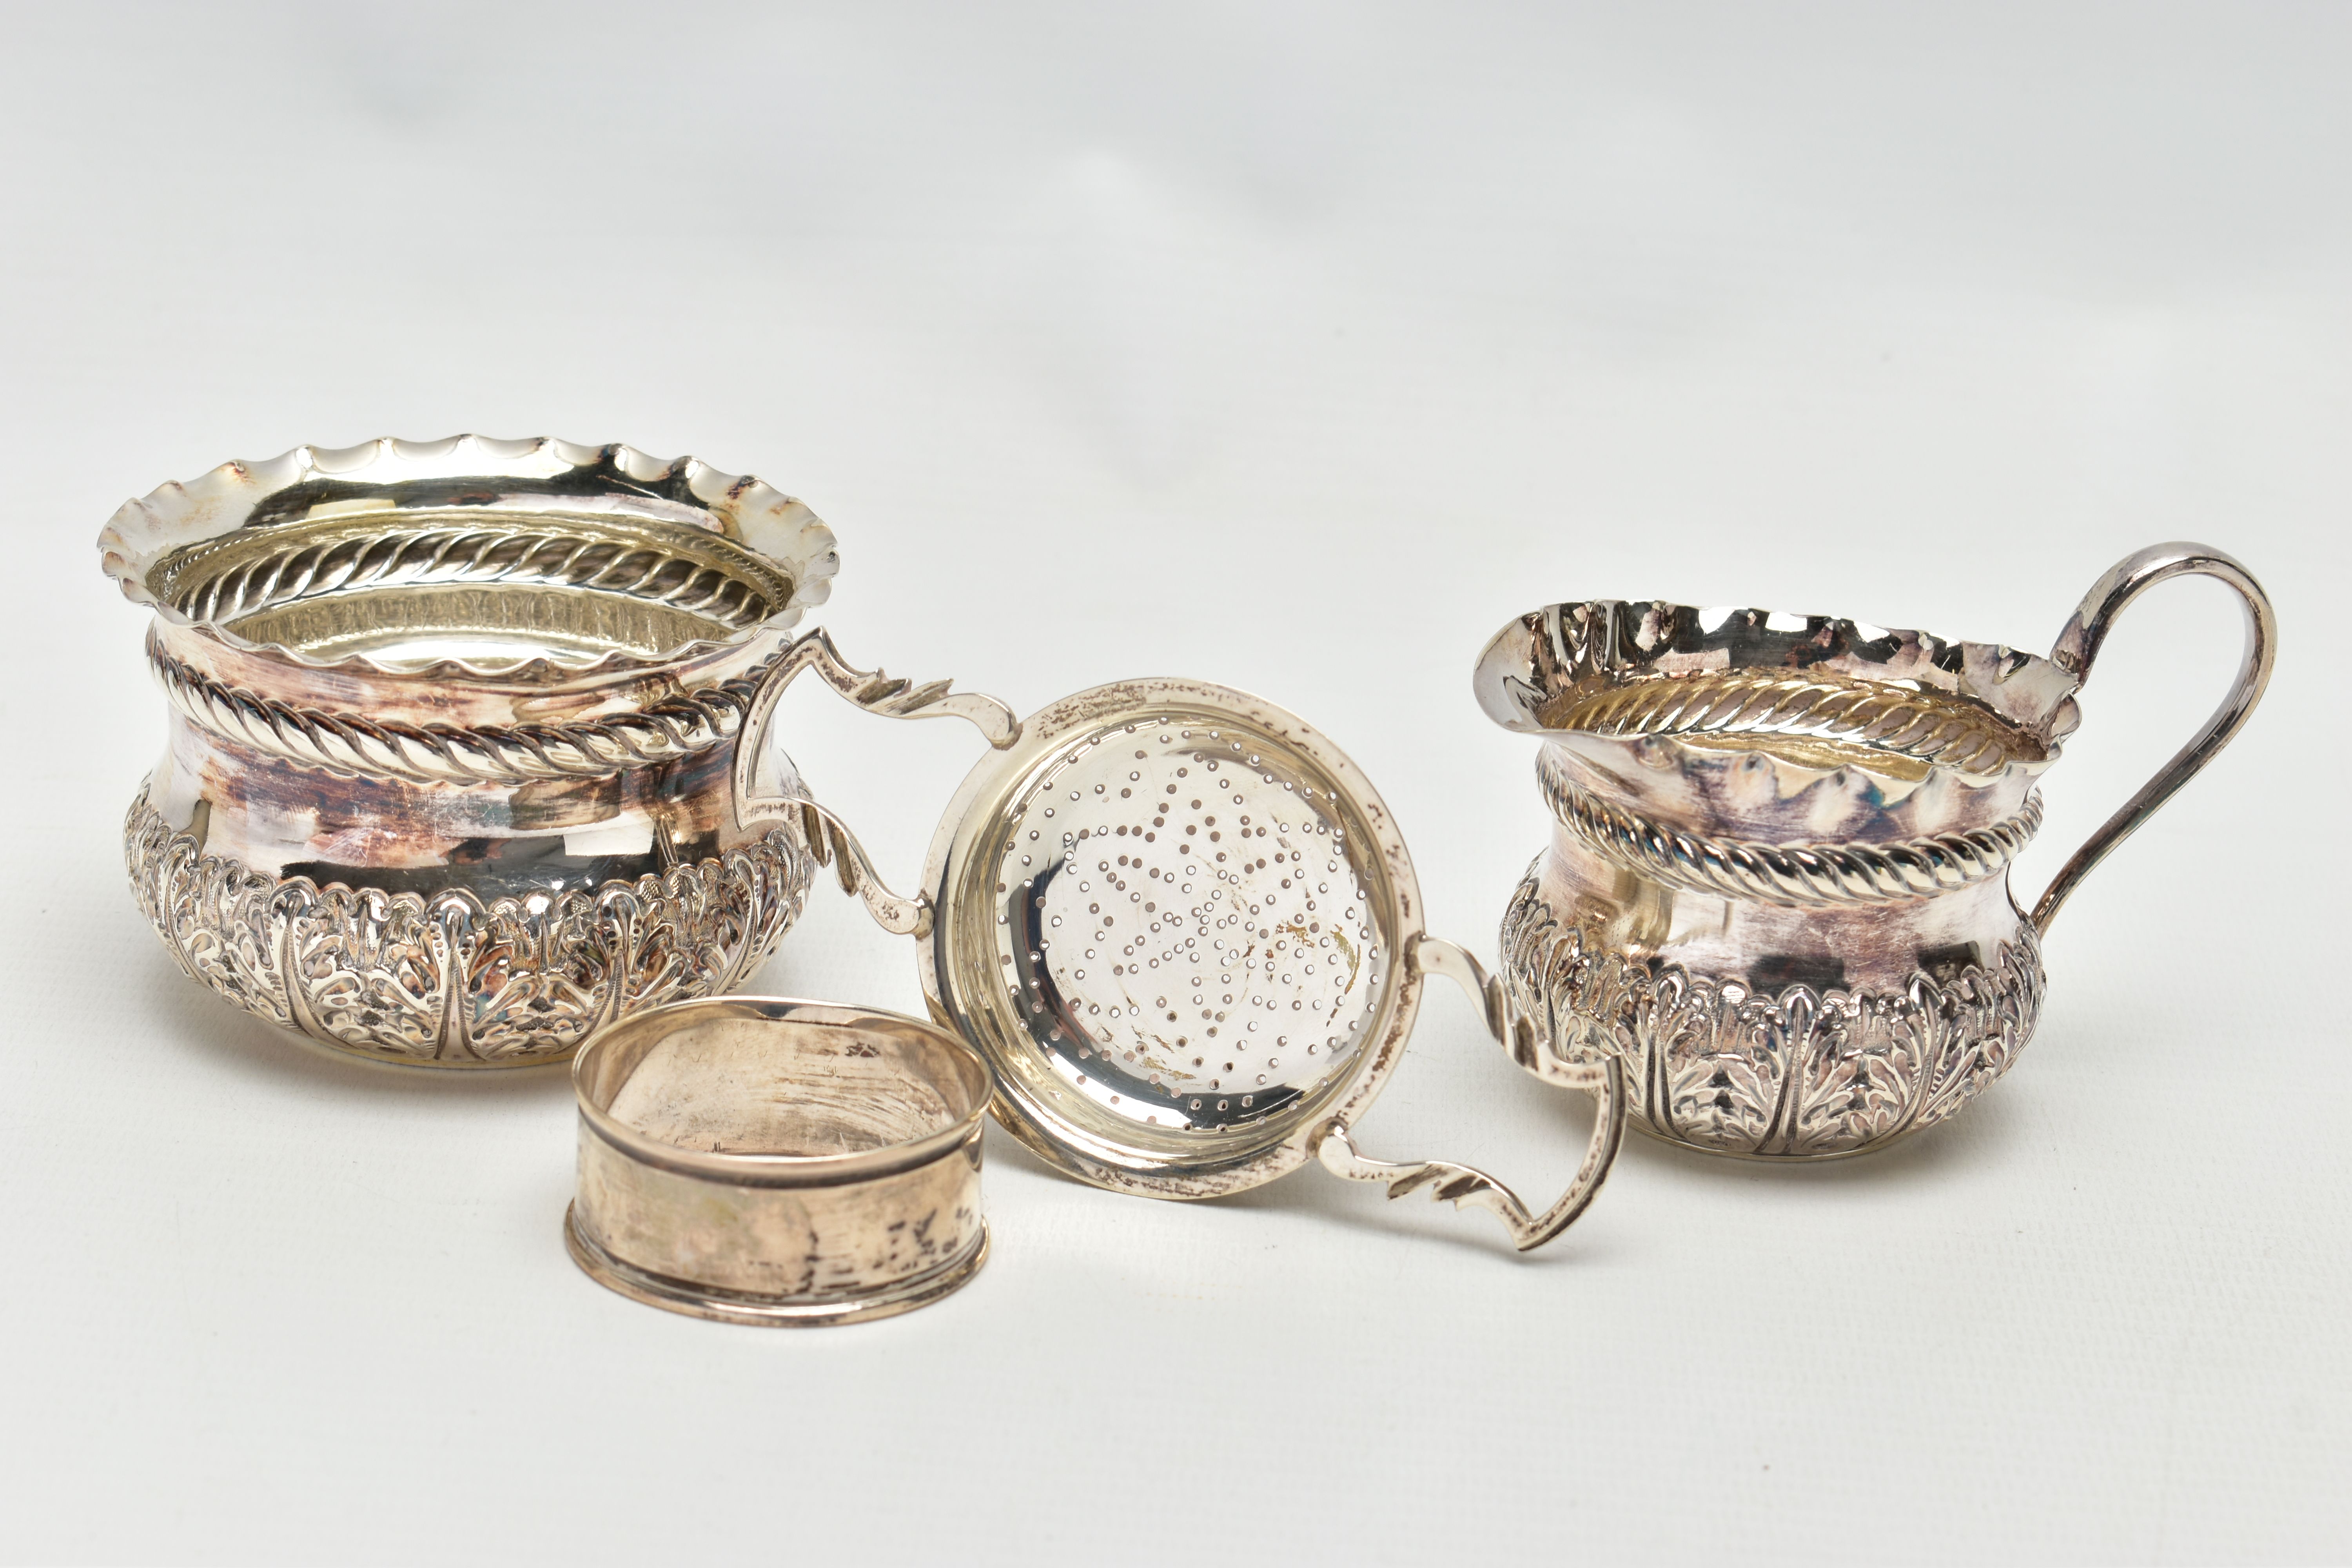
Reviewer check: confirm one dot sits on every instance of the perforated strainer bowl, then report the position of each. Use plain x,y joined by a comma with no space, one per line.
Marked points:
1183,931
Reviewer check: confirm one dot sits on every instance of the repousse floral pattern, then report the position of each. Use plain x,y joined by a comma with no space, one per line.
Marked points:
1721,1065
449,979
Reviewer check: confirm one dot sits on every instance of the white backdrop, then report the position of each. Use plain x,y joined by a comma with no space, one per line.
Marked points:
1295,347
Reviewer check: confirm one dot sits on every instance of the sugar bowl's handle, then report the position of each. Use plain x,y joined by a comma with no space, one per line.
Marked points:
828,839
2078,645
1604,1080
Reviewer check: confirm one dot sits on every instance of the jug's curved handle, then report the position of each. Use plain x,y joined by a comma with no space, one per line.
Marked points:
2078,645
828,839
1605,1081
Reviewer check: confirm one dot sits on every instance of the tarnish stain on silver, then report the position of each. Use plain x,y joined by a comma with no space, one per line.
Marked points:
451,979
451,749
1778,890
757,1160
1185,935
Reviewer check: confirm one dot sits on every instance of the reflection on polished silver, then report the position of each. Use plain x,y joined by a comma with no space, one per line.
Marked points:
1183,930
450,761
1777,887
757,1160
757,799
1792,874
354,744
451,979
1462,1184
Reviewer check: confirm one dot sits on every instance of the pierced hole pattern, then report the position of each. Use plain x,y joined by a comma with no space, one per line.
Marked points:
1182,928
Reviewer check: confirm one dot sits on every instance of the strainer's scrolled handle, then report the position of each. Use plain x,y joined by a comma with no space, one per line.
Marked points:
828,839
1604,1080
2078,645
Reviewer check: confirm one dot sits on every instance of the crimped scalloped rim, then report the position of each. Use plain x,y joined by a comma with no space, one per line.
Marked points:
2061,718
746,509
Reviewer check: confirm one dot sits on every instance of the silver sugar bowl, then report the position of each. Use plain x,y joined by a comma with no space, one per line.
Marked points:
447,776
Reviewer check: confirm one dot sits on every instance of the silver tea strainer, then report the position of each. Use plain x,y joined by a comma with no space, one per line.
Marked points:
1183,932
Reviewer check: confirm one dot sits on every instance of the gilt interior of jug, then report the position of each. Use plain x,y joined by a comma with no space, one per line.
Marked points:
1809,694
1810,719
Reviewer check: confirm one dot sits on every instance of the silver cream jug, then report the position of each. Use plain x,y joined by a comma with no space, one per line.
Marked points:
1778,888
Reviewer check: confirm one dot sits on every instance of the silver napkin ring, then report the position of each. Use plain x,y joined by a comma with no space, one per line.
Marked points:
756,1160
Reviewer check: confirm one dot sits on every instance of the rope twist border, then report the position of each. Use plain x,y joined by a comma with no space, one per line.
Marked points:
350,746
1797,876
